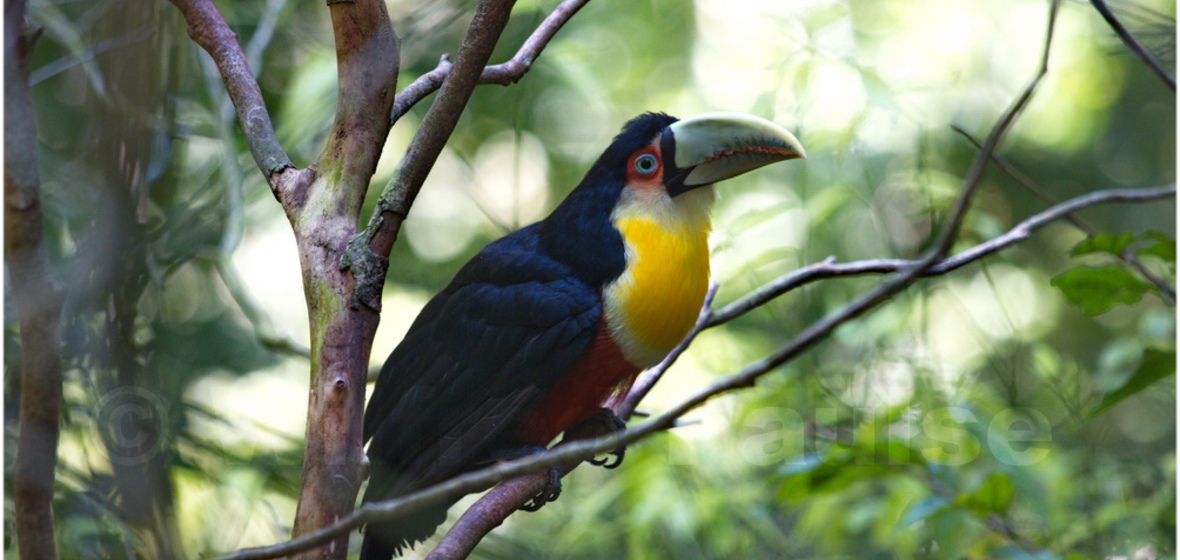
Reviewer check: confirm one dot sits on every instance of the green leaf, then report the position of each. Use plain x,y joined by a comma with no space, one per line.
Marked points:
1155,365
1096,290
993,496
810,462
924,510
1164,246
1104,243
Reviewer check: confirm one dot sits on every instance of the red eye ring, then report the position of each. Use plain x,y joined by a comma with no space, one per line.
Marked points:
646,164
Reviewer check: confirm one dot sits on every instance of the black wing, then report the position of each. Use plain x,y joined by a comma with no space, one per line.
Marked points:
481,352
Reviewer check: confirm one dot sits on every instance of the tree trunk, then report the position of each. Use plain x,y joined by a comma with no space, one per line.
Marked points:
324,222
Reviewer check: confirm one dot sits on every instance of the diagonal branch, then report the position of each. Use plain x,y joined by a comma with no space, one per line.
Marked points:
975,173
208,29
1131,43
503,74
368,251
476,481
1166,290
830,269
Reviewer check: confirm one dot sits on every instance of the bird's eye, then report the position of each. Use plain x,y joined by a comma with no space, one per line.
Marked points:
646,163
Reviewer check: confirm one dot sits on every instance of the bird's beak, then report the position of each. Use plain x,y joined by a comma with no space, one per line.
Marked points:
716,146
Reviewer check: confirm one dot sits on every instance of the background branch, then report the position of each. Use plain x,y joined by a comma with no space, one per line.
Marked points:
1131,43
37,300
1166,290
830,269
208,29
505,73
368,251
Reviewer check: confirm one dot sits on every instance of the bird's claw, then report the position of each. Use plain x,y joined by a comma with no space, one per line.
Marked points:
601,423
612,459
551,492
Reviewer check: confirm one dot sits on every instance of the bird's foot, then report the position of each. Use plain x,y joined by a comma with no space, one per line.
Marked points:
551,492
604,422
552,488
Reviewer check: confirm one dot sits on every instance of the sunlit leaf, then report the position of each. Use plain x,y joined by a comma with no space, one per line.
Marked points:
923,510
1104,243
993,496
1164,246
1097,290
805,464
1156,365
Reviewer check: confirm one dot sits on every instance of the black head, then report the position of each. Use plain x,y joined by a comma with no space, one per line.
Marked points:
579,232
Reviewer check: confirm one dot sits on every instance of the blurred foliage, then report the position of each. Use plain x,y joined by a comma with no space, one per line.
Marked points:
1022,407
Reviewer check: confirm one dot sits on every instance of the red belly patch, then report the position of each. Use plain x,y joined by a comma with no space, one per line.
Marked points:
599,374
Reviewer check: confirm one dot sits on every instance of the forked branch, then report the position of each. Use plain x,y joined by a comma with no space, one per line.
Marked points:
505,73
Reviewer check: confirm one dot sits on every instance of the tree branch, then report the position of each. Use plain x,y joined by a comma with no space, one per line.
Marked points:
975,174
1134,45
830,269
208,28
504,74
1166,290
485,515
368,251
324,218
37,300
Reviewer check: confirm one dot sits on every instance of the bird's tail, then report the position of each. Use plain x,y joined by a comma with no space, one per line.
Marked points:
387,539
391,537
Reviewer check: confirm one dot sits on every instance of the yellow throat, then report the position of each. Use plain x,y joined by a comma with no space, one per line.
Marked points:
655,302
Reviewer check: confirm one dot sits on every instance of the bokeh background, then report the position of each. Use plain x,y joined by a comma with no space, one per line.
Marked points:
965,419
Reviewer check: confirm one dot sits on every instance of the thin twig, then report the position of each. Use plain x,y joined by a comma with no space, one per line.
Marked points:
1132,44
1166,290
264,32
504,74
368,251
975,174
1025,181
208,29
87,55
829,268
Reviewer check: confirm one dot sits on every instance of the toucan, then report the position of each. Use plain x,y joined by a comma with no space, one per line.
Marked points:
547,325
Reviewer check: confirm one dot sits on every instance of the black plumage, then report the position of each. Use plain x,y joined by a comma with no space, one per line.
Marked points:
485,350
